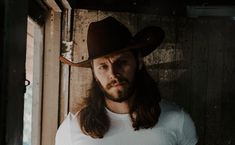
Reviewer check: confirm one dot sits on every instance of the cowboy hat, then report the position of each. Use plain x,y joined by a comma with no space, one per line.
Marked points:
109,36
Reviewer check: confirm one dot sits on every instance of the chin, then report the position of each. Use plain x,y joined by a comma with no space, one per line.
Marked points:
117,98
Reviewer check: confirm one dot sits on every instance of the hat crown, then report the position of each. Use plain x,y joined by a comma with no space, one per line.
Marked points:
106,36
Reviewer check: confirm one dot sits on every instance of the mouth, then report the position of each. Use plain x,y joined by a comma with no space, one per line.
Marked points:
118,84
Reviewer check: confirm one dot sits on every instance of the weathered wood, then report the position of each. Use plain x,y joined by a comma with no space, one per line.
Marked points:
80,77
37,84
166,7
51,79
66,50
199,76
214,80
53,5
226,123
184,82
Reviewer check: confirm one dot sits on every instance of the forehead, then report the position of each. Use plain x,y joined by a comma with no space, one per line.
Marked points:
113,57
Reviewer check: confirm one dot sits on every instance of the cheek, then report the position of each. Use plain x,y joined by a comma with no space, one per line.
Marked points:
130,73
101,78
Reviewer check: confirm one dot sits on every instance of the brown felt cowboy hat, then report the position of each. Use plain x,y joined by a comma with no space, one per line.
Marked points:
109,36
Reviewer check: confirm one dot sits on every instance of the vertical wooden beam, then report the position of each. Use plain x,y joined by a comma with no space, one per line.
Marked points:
80,77
53,5
37,84
66,51
51,78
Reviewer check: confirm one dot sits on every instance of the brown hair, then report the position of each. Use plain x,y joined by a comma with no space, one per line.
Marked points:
144,107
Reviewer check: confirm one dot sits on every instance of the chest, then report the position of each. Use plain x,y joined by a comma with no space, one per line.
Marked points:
122,133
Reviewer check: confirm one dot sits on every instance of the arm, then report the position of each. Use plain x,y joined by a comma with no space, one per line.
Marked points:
187,134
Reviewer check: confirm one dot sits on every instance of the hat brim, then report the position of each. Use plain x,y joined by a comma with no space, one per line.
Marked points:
146,40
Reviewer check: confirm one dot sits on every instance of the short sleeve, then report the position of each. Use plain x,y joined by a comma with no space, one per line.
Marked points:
63,136
188,134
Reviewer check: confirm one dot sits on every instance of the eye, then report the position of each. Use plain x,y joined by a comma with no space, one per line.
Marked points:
103,67
122,62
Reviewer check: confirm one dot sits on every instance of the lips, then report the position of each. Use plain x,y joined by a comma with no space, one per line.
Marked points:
118,84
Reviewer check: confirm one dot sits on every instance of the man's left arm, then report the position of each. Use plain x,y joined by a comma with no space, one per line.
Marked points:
187,134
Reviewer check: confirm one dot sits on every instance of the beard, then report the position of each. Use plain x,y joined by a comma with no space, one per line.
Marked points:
119,95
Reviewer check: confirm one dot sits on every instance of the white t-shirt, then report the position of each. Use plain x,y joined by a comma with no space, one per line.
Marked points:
174,127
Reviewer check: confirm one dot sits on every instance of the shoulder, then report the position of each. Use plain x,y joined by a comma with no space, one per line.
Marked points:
173,114
170,111
63,134
176,119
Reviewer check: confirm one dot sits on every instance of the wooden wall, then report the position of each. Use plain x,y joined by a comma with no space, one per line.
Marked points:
194,67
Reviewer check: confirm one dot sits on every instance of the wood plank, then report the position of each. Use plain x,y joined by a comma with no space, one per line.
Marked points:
66,50
51,79
80,77
37,85
228,91
214,85
128,19
183,87
53,5
199,75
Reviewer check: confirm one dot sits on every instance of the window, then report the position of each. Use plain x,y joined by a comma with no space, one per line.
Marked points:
33,94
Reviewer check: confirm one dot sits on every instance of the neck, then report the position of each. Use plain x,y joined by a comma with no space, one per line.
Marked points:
116,107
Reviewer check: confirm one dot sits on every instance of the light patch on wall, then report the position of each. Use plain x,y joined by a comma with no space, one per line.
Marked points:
167,75
166,55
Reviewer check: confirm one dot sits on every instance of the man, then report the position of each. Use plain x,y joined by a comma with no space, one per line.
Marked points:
124,105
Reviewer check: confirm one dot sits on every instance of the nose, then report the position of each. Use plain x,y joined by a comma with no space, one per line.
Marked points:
113,71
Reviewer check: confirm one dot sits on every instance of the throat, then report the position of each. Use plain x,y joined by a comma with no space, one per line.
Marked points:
117,107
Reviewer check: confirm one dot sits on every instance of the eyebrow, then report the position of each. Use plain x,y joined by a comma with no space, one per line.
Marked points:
101,63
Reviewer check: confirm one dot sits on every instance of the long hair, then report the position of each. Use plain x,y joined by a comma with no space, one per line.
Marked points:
144,107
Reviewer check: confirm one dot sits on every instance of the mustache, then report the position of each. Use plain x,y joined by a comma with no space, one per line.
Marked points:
119,80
